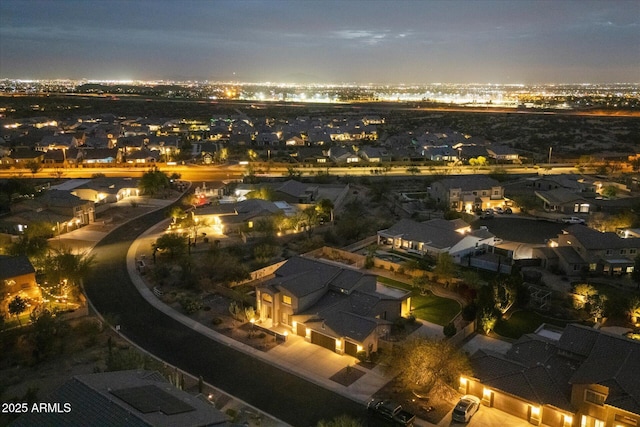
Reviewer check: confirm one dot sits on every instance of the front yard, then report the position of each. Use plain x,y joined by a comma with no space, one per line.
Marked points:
429,307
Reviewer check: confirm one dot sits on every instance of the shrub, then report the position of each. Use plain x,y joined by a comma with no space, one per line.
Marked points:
216,320
469,312
449,330
361,355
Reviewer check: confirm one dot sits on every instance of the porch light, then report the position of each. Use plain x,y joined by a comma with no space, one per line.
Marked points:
338,344
568,421
535,415
360,348
294,325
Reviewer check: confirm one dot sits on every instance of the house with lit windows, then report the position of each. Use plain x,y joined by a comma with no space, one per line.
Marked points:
564,201
581,248
435,237
336,307
468,193
581,377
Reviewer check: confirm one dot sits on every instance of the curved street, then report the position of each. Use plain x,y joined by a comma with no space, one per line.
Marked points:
282,394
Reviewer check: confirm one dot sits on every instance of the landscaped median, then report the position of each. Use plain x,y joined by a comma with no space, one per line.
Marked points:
427,306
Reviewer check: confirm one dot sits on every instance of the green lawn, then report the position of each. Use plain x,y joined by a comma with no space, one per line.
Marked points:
427,307
523,322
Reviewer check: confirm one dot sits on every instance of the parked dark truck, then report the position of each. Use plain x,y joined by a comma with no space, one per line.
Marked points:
391,411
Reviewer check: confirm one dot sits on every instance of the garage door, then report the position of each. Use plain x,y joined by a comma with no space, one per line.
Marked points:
350,348
323,341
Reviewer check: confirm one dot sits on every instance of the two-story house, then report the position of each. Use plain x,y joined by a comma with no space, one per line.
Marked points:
468,193
581,248
341,309
581,377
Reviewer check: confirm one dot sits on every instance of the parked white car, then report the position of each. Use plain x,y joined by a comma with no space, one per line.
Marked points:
466,408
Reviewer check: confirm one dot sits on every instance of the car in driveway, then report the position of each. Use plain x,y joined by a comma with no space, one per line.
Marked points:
466,407
572,220
390,411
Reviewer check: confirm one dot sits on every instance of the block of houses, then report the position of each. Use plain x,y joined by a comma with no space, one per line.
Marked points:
143,156
581,248
562,200
124,398
581,377
468,193
435,237
16,274
341,309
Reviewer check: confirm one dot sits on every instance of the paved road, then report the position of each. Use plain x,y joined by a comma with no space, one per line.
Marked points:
286,396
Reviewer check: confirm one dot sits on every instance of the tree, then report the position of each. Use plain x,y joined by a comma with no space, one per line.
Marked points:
46,329
325,207
597,306
153,181
263,193
34,166
310,215
634,309
17,306
488,319
610,191
424,366
174,244
62,265
413,170
585,292
176,213
445,267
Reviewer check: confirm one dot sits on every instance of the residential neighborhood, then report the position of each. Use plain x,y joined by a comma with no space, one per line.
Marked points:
328,236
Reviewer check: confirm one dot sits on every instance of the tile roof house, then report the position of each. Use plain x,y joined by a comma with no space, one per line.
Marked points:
584,377
293,191
227,218
124,398
564,201
343,310
435,237
468,193
16,273
580,247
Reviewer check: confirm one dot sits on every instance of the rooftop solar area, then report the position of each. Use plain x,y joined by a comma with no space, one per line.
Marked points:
150,398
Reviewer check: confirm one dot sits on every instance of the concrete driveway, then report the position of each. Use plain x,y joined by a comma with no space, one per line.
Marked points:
487,417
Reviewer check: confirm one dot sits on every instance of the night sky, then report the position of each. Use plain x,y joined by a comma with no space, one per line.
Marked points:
347,41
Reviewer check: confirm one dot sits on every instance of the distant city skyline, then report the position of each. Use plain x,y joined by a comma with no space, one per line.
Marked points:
380,42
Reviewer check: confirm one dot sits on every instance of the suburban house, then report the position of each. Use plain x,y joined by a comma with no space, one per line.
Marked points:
435,237
503,153
579,377
562,200
226,218
468,193
57,207
107,190
101,156
580,248
124,398
293,191
374,154
16,274
341,309
339,154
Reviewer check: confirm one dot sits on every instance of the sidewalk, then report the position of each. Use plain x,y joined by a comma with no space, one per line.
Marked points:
85,238
296,356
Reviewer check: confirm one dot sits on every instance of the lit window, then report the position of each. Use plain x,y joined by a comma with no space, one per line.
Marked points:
286,299
598,423
594,397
